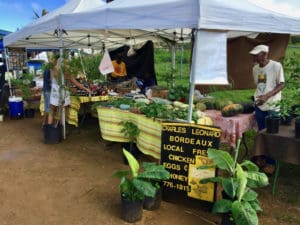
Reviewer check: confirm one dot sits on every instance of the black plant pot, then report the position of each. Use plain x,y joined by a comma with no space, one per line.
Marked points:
52,134
297,127
294,108
287,121
272,124
152,203
131,211
29,113
227,219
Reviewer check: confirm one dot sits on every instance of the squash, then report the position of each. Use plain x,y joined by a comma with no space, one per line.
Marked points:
232,110
220,104
201,106
205,120
180,105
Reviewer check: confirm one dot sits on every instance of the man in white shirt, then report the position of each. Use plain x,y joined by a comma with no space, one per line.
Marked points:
269,78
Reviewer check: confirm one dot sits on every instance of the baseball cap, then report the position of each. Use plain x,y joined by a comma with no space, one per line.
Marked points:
259,48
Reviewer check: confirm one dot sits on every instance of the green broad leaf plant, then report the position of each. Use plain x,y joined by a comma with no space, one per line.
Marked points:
131,131
24,85
140,181
238,182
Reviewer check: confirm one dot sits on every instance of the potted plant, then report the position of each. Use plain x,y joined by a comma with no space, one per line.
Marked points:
240,201
23,87
135,185
131,131
285,110
152,203
273,122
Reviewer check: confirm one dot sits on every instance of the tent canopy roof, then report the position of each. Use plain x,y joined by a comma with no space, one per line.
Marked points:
92,23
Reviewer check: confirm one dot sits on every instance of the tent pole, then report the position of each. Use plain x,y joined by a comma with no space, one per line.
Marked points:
62,89
192,78
6,59
181,61
5,55
173,64
181,56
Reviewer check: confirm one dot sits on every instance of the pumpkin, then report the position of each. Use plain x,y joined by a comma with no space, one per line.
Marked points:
232,110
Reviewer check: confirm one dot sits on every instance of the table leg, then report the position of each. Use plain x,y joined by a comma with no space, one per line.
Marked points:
80,124
245,144
275,176
84,115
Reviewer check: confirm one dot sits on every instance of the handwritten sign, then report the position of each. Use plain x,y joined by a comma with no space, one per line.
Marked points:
183,149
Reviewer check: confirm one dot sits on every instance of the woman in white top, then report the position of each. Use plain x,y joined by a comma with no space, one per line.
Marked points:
60,95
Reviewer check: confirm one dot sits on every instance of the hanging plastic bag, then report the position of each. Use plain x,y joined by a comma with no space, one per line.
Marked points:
106,65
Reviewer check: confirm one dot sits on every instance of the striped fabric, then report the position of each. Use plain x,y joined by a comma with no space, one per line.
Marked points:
149,139
72,111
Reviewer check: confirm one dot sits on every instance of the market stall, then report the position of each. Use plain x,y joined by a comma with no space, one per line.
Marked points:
213,22
149,139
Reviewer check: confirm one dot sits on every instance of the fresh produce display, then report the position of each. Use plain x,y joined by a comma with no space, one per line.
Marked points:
157,110
232,110
220,104
114,102
164,109
97,90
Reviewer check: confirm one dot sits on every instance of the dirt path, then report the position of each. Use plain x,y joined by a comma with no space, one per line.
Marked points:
70,183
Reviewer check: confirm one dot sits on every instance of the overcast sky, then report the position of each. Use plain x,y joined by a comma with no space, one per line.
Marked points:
16,14
289,7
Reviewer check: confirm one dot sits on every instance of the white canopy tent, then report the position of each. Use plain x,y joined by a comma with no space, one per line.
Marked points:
42,33
94,19
90,23
213,21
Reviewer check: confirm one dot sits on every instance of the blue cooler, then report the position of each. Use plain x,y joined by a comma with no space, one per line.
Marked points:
35,64
16,110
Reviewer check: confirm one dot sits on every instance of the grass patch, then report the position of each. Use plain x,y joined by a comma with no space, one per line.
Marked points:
236,96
